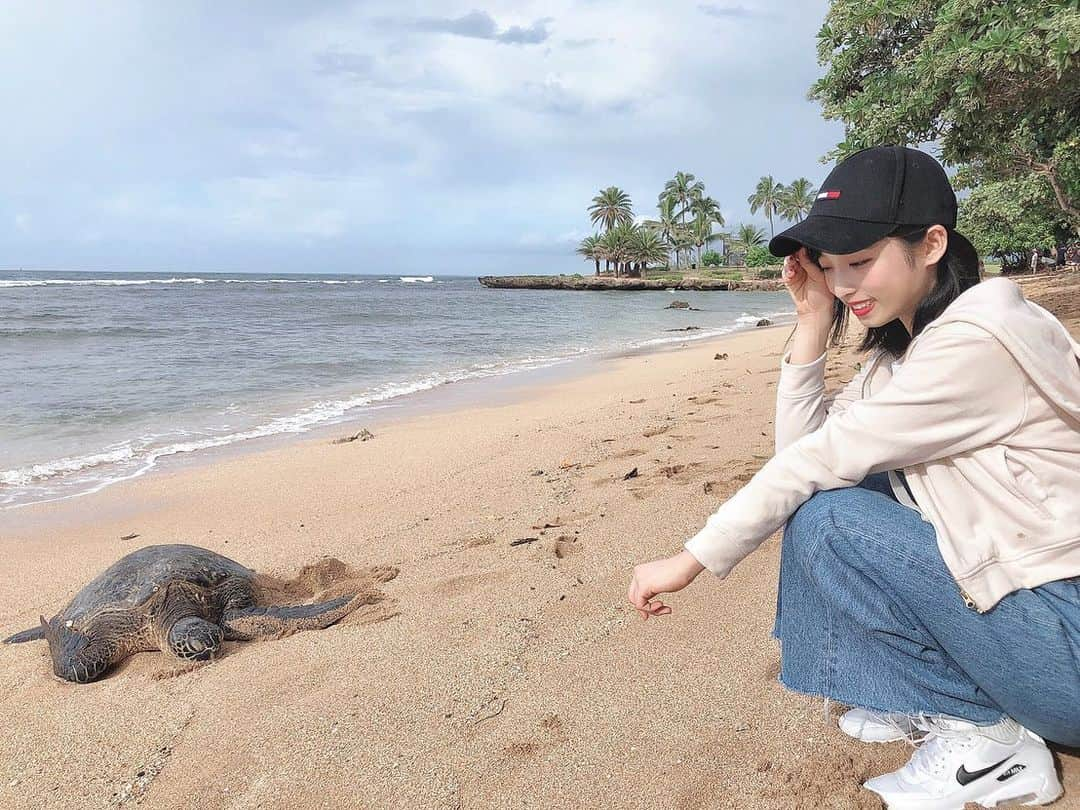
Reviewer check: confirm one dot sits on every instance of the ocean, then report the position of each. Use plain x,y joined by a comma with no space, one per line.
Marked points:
105,375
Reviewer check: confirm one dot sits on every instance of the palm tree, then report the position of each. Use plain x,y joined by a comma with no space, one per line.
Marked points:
766,197
611,207
647,247
682,189
590,249
708,208
667,225
706,211
747,236
797,200
701,234
616,243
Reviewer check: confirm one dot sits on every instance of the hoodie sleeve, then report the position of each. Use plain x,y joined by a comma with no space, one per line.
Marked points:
801,403
959,389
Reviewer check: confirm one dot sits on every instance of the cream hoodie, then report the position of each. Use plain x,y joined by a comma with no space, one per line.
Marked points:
983,416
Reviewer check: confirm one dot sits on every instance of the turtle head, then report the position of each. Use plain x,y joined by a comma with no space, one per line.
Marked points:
74,657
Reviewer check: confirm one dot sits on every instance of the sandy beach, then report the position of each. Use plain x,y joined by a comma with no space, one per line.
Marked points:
484,672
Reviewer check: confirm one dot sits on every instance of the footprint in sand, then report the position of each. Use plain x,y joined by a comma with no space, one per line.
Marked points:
679,437
552,732
465,584
733,476
520,750
479,540
553,724
679,473
834,779
565,545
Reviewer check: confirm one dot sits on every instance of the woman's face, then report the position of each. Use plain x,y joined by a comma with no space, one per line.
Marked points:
883,282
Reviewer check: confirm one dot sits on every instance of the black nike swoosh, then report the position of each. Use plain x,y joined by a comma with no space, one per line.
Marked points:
964,776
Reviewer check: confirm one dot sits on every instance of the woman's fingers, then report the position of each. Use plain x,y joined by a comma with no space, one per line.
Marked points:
641,597
808,266
654,608
637,595
792,266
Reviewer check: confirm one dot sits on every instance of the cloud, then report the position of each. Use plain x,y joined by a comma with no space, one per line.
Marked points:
533,35
586,42
22,222
477,25
736,12
285,136
549,96
548,244
332,63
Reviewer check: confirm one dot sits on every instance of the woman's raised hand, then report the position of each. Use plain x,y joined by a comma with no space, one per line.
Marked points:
806,284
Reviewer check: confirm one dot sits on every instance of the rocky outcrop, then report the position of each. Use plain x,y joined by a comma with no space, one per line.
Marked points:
608,283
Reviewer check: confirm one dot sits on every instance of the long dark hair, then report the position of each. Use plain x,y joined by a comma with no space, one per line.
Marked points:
954,275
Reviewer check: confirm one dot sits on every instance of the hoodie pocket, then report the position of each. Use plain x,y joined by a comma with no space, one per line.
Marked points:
1022,484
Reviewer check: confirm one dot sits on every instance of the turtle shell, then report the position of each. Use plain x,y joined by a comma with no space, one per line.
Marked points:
132,580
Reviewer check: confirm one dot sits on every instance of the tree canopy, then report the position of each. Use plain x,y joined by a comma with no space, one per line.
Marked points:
1007,218
995,84
611,207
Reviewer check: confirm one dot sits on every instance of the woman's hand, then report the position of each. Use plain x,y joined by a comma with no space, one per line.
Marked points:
661,576
806,284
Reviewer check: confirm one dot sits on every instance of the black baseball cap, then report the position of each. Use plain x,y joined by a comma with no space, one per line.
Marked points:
870,195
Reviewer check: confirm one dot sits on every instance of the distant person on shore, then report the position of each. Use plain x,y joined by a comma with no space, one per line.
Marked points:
930,564
1034,260
1072,253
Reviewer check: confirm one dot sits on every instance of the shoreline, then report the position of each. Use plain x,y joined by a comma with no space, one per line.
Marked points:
630,283
485,673
449,395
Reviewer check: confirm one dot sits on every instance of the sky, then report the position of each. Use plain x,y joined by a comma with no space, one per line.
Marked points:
373,137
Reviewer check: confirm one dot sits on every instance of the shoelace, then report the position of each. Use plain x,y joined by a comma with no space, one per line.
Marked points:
936,749
945,737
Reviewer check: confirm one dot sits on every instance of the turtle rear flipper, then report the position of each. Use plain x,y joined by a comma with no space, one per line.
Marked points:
33,634
275,621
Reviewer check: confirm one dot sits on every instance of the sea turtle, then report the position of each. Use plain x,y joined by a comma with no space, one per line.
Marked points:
177,598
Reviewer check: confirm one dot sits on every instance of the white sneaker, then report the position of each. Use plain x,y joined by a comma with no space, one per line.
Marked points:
876,727
960,762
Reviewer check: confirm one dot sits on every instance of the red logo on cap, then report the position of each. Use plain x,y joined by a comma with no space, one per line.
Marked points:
829,195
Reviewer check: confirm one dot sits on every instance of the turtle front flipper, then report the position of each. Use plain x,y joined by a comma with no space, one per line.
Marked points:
276,621
194,639
33,634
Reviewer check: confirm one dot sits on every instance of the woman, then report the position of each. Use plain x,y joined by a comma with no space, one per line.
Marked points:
930,567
